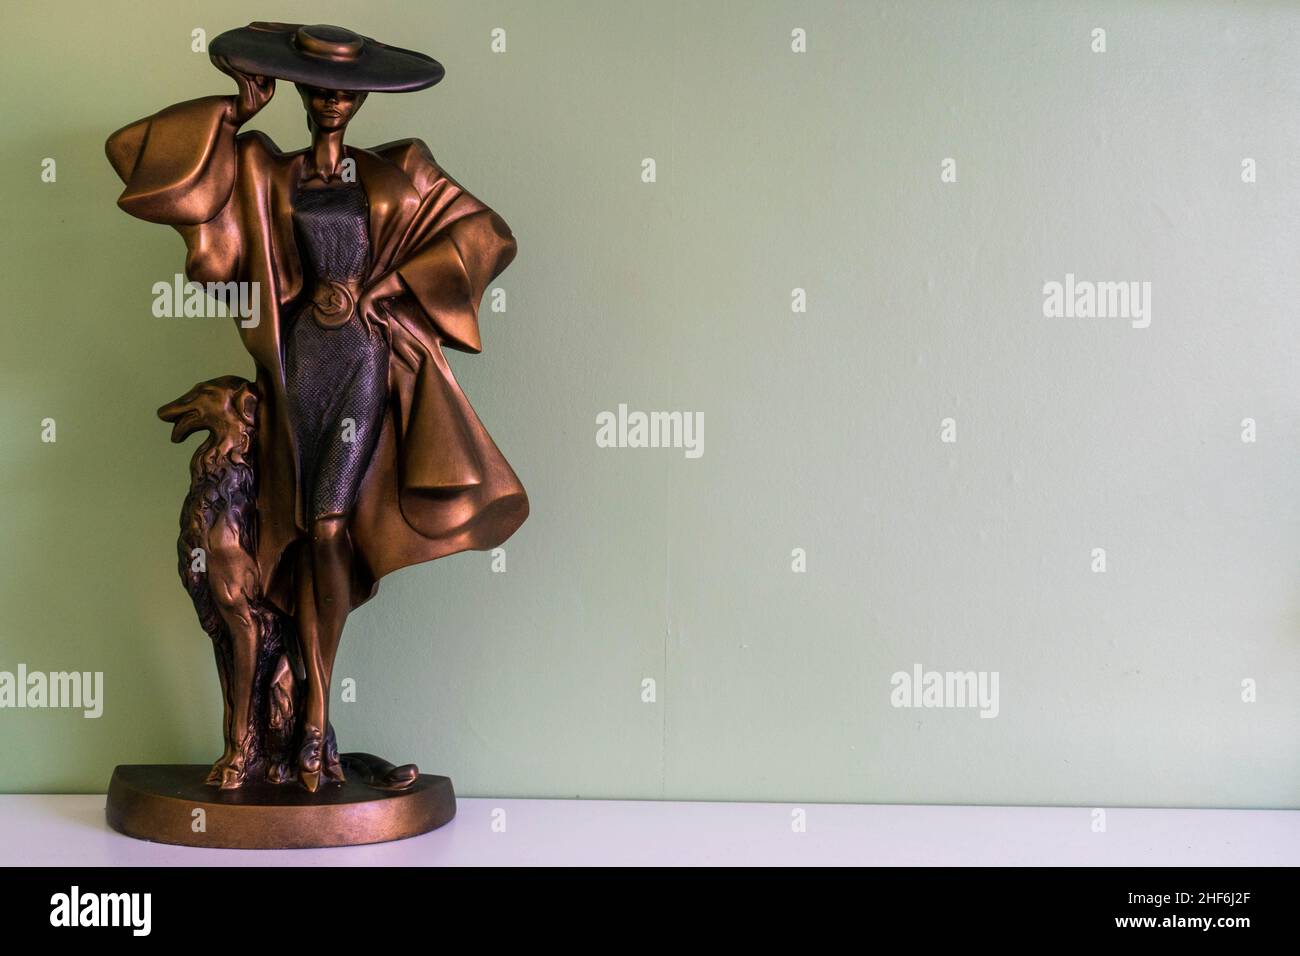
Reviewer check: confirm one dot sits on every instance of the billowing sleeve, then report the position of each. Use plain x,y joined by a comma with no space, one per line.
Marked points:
449,275
179,164
454,250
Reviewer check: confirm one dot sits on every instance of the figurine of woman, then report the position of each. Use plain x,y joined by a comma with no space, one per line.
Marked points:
366,263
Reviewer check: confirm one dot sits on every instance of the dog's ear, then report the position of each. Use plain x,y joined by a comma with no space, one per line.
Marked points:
246,403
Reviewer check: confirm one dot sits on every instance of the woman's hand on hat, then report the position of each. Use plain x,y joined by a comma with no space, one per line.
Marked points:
255,91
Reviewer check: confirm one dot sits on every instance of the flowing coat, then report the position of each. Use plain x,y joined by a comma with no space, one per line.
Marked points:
436,483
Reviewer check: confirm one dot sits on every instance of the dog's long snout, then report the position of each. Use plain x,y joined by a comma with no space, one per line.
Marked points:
173,410
183,415
222,405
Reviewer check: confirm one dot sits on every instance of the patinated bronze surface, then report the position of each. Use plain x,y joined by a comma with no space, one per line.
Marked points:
353,451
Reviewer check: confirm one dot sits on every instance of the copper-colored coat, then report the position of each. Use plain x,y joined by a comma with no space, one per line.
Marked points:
436,484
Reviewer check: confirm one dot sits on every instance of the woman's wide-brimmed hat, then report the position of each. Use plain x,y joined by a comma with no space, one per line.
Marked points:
329,57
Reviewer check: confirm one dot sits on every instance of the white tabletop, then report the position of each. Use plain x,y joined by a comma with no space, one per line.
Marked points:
70,831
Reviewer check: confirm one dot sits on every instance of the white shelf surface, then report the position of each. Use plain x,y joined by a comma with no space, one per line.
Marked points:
44,830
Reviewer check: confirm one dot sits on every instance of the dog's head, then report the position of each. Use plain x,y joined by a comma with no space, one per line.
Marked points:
226,406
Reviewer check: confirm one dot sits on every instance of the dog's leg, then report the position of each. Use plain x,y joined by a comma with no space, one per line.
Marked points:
243,643
232,579
281,707
220,650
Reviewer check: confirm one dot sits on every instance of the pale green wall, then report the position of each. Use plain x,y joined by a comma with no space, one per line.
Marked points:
775,170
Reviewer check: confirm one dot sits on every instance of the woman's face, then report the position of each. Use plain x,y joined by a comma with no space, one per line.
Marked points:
330,109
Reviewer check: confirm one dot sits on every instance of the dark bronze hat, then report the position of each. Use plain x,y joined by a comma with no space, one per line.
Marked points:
325,56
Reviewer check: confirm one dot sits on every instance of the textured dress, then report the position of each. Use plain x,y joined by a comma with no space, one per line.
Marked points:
336,365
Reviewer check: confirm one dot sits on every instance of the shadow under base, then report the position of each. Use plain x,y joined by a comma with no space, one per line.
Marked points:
158,802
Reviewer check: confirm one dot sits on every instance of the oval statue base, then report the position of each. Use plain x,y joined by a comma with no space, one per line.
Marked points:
158,802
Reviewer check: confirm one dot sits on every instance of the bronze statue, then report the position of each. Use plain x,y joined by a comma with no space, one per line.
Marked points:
354,452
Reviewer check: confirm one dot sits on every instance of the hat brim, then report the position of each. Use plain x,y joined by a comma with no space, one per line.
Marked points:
269,51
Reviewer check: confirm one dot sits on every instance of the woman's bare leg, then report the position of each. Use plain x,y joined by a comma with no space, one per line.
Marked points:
332,563
329,556
312,733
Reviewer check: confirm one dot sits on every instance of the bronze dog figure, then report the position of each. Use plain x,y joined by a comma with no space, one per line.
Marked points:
215,550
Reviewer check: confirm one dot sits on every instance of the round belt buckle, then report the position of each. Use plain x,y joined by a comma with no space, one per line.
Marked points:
333,304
